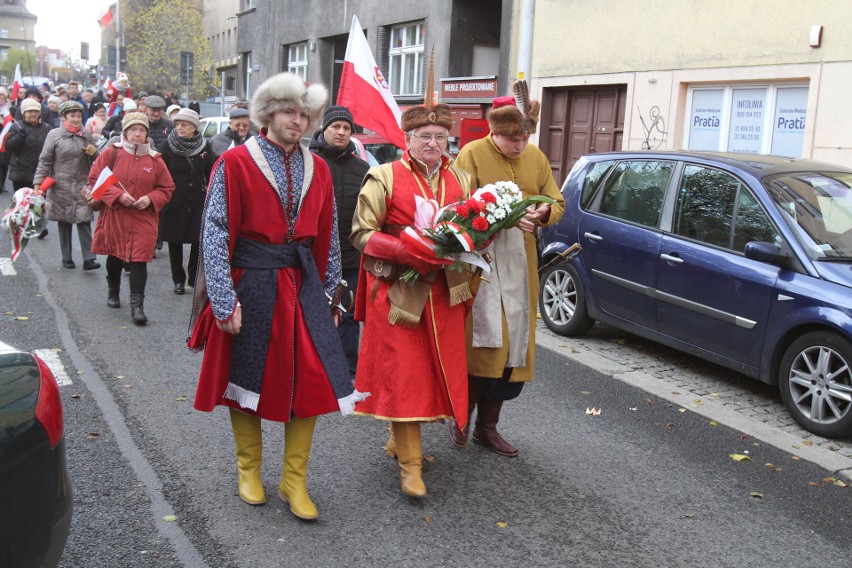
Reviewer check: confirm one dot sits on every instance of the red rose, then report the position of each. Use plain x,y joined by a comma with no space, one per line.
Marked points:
480,224
488,197
462,209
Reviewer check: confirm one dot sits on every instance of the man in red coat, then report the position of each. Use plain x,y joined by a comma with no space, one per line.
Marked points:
271,264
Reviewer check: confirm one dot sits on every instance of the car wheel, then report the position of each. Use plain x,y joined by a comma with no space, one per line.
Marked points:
562,302
816,383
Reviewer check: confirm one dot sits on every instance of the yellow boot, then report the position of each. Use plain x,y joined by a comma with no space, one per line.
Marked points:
409,454
298,435
390,447
247,435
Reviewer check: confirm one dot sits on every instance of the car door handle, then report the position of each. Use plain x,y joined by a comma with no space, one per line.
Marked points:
593,237
670,258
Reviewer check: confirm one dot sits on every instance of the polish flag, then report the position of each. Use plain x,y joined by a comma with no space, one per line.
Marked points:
16,86
105,18
106,179
364,90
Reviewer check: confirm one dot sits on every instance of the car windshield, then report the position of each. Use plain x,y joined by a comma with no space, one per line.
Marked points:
818,207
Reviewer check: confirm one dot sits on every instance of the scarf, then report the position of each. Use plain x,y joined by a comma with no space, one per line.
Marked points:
186,147
135,149
70,128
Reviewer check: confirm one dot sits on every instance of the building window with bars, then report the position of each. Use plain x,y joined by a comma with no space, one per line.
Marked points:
297,59
405,58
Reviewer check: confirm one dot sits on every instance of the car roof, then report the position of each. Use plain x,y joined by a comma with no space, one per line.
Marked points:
758,165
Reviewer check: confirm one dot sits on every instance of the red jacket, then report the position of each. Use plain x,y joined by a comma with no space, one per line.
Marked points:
126,232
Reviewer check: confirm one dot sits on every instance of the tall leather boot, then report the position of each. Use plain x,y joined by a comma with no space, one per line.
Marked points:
249,439
113,290
298,435
390,447
409,454
485,432
474,391
137,313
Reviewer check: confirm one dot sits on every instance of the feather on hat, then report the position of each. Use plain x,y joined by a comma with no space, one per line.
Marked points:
286,90
515,114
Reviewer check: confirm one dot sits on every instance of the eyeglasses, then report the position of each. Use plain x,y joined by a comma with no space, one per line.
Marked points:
426,138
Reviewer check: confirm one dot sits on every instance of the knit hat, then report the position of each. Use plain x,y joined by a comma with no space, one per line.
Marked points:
238,112
69,106
54,99
514,115
189,116
287,90
129,105
132,118
171,109
30,104
333,113
155,102
33,91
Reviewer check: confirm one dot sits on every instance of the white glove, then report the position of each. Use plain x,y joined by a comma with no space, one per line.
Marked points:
347,403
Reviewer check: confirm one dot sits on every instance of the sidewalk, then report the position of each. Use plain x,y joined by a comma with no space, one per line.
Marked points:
722,395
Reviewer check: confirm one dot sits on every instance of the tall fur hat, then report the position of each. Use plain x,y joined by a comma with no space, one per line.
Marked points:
515,114
286,90
429,112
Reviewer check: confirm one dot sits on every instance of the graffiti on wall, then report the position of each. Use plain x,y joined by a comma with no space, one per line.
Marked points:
655,128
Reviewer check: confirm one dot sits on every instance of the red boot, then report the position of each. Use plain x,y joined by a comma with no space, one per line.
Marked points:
485,432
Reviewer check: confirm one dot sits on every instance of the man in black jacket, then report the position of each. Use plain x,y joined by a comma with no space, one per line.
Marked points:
159,125
239,130
334,145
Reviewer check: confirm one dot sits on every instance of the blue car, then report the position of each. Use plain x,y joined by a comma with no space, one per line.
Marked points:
744,260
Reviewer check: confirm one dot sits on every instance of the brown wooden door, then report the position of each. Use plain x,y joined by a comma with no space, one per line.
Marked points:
581,121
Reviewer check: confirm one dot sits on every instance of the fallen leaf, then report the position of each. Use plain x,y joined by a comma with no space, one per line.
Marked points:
688,515
796,446
120,377
79,372
585,392
502,524
714,394
808,443
829,479
427,519
841,483
622,341
575,351
633,408
713,423
813,484
128,386
75,396
756,495
22,318
93,435
681,410
769,464
7,313
170,518
649,401
739,457
794,458
429,458
670,425
697,401
180,398
593,411
743,437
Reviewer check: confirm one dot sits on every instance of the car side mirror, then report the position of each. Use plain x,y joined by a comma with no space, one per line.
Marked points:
766,252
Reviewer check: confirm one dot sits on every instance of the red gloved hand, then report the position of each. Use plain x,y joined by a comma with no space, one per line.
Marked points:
386,247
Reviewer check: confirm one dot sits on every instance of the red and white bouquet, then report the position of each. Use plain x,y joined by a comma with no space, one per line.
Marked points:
24,218
454,234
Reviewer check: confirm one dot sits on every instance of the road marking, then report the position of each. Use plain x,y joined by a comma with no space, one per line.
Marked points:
52,360
7,268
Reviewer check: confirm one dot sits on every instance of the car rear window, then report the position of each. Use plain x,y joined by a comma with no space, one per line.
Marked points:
595,172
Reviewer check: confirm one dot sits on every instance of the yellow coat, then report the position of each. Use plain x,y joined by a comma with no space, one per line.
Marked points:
531,171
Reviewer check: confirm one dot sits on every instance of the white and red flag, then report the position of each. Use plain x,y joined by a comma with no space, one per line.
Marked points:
106,179
365,92
105,18
7,125
16,86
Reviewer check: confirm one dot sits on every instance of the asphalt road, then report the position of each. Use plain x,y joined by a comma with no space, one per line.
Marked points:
645,483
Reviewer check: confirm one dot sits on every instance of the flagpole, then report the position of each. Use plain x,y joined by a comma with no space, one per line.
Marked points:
117,38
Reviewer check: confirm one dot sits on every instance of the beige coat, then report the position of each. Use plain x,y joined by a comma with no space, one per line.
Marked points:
532,173
63,159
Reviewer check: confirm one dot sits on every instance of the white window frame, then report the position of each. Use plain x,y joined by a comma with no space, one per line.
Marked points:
410,49
297,59
726,110
4,33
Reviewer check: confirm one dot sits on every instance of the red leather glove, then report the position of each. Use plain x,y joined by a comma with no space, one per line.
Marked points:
385,247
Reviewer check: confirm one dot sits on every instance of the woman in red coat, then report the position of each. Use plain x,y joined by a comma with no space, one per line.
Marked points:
127,226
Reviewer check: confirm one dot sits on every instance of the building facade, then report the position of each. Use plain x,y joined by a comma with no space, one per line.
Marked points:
472,40
746,76
220,29
17,26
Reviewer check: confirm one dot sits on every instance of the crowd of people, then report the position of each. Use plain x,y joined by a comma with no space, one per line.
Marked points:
295,254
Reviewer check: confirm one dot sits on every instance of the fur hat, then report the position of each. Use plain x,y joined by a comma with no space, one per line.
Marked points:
506,117
131,118
70,106
30,104
420,115
189,116
286,90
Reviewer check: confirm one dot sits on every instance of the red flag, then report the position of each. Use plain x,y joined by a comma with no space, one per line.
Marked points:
7,125
364,90
106,18
16,86
106,179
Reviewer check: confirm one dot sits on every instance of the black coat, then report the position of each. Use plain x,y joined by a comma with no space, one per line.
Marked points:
347,173
158,132
24,144
180,219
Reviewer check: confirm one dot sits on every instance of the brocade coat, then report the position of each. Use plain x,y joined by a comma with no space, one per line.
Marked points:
531,171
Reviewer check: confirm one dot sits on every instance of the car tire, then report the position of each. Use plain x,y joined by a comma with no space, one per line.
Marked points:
562,301
815,379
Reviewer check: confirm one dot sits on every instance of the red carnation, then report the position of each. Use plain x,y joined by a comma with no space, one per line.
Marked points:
462,209
488,197
480,224
475,206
